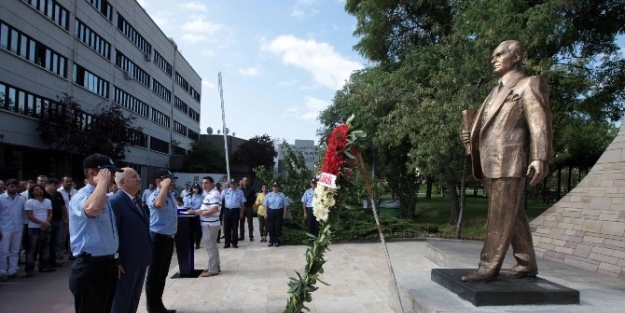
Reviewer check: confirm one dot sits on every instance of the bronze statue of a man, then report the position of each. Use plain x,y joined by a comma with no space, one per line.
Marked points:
511,130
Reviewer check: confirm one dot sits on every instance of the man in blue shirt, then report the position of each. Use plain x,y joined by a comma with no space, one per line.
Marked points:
233,211
276,204
163,225
11,210
94,239
307,203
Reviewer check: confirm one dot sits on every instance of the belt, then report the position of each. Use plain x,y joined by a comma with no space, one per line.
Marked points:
88,257
161,235
211,221
309,207
276,209
232,208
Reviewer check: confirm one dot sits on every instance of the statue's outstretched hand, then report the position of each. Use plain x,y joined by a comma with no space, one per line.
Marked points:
537,170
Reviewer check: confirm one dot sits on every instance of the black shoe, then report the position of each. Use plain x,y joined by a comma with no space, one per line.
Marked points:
235,246
218,241
251,238
226,246
270,244
277,245
241,238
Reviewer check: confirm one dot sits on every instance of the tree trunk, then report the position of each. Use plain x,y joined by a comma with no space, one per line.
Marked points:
570,183
454,206
428,187
559,192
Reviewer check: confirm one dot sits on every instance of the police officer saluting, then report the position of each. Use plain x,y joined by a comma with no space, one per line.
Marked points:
94,239
276,204
233,201
163,225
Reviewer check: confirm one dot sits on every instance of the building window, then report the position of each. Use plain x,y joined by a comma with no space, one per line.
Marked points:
159,145
131,103
194,94
178,150
161,91
132,70
179,128
90,81
32,50
182,82
162,64
137,138
23,102
180,105
92,39
134,36
104,7
194,115
161,119
52,10
193,135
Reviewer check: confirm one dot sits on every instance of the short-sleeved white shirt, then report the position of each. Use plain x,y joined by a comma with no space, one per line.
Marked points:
40,210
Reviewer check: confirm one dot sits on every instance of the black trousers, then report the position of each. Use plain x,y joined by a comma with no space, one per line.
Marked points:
92,282
231,223
162,250
313,224
275,218
248,215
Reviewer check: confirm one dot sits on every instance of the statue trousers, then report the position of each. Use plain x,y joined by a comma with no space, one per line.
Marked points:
507,225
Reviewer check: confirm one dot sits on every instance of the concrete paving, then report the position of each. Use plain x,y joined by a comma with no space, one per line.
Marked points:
254,278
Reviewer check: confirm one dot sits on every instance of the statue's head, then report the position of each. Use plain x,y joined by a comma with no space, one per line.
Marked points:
508,56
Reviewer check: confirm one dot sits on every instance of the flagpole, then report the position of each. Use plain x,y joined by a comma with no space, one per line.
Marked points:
223,119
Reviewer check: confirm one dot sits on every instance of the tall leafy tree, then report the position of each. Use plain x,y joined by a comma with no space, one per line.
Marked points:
257,151
66,127
204,157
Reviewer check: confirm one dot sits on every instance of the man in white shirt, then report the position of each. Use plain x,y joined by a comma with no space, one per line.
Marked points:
11,210
67,191
209,219
146,194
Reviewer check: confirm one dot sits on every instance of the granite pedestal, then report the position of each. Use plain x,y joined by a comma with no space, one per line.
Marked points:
506,290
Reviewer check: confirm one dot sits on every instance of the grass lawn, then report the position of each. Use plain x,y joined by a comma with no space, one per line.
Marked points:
436,211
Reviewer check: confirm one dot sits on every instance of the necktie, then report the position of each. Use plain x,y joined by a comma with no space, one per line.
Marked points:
134,200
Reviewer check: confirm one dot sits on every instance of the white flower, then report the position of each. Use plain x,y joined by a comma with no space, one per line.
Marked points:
323,200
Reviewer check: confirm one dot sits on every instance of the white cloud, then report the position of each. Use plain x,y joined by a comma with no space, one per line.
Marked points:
208,84
327,66
143,3
303,9
194,38
287,83
310,110
194,6
250,71
209,52
198,24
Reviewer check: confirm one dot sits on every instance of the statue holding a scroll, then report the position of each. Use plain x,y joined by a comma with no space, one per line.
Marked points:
509,139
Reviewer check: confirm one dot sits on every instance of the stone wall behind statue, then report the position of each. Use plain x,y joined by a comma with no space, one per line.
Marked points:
586,228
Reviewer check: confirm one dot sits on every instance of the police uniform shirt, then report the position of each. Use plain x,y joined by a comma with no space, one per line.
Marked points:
307,198
211,200
93,235
275,201
193,201
11,211
163,221
234,198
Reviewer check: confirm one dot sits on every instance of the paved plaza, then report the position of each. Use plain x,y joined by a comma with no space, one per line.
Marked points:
254,279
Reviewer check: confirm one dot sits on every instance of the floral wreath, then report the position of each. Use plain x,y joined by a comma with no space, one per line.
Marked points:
337,166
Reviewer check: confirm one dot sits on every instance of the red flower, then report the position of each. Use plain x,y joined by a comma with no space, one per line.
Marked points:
334,158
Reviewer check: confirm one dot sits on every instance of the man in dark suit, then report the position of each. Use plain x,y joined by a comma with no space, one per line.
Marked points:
510,139
135,246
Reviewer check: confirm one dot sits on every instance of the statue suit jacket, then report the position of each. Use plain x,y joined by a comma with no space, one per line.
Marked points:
133,225
514,129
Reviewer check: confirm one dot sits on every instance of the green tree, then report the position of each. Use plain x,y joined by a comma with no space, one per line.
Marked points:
66,127
204,157
257,151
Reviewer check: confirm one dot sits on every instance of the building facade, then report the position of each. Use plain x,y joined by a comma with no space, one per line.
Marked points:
307,148
98,52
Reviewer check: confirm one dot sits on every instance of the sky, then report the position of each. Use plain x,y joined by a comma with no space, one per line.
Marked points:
281,61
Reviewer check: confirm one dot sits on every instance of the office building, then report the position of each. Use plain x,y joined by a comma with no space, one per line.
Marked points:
98,52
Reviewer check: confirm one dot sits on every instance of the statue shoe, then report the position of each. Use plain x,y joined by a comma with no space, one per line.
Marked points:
513,272
477,277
